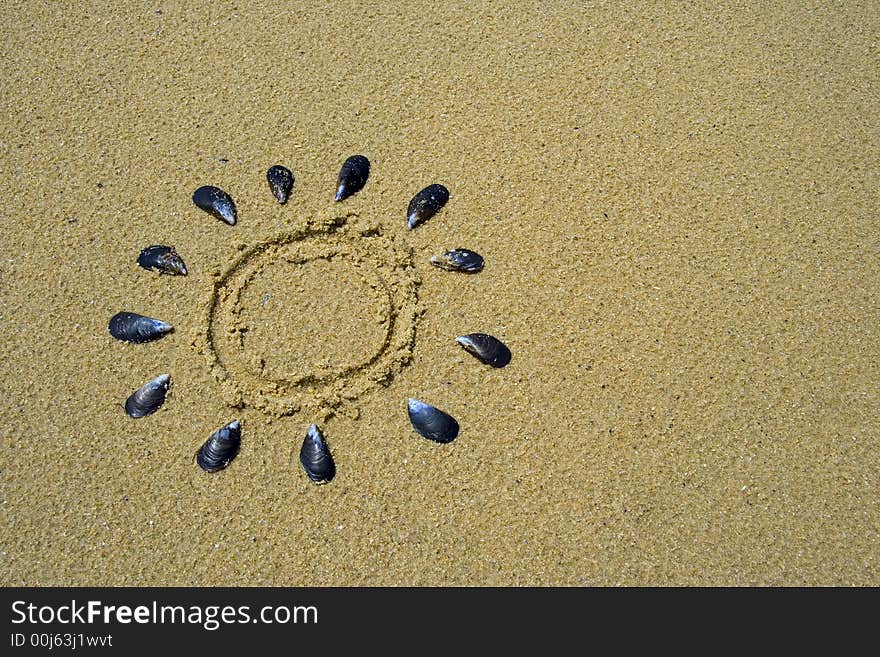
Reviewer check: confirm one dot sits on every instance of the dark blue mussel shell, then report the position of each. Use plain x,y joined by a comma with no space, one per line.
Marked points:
352,176
131,327
280,182
431,422
163,259
216,202
149,397
426,204
486,348
314,455
464,260
220,448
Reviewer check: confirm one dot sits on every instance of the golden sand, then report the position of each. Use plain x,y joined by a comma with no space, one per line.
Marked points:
310,320
677,205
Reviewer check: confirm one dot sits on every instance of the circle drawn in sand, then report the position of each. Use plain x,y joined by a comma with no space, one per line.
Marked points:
313,318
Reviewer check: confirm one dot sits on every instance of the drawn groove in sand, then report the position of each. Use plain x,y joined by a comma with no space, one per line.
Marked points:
277,340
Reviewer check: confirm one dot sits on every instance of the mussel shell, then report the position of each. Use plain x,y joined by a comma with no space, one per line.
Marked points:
432,423
464,260
220,448
149,397
280,182
131,327
487,348
216,202
352,176
163,259
426,204
314,455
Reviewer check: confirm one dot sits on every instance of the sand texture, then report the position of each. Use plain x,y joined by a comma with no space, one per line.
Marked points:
677,204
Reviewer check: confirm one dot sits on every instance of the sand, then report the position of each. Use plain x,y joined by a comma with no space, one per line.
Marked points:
677,205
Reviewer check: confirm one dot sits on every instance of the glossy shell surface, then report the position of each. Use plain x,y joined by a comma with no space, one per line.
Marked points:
148,398
217,203
486,348
220,448
314,455
426,204
280,182
352,176
131,327
431,422
163,259
463,260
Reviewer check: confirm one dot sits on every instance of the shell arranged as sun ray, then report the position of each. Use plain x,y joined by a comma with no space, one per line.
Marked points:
277,287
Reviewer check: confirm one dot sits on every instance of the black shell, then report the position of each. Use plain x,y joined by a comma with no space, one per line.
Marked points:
315,457
469,262
352,176
432,423
131,327
149,397
163,259
426,204
487,348
220,448
280,182
216,202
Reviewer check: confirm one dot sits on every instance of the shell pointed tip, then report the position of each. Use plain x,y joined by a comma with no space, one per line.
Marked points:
235,424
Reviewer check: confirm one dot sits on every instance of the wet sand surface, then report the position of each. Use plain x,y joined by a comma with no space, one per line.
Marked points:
678,211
